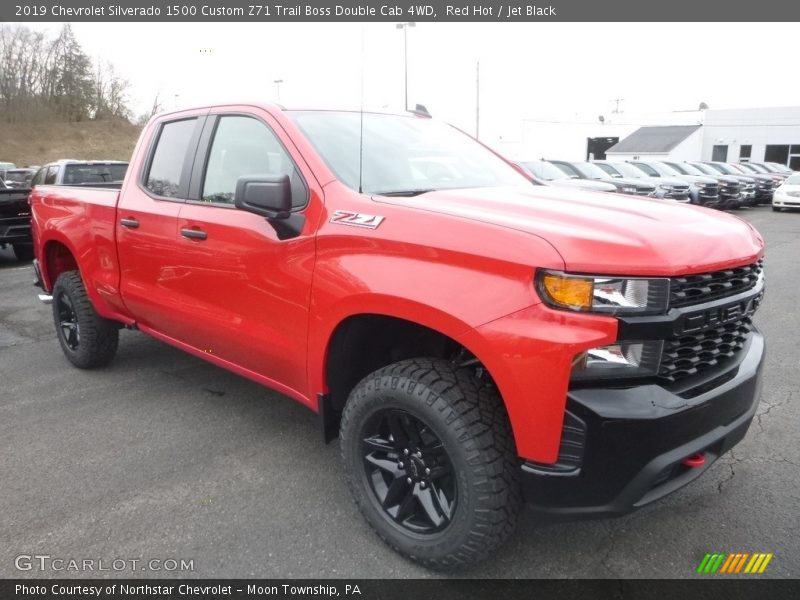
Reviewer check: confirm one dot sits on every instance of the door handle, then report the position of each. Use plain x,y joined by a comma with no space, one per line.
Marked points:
194,234
130,223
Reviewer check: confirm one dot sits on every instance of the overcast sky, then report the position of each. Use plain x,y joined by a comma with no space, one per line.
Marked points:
532,70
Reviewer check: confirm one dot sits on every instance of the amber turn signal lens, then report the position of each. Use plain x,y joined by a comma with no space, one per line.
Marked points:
569,292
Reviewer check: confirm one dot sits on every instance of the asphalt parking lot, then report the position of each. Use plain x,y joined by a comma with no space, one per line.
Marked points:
165,456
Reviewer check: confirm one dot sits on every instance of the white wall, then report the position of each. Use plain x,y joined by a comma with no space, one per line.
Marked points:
756,126
565,141
559,135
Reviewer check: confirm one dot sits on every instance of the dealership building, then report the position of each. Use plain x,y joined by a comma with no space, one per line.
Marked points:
733,135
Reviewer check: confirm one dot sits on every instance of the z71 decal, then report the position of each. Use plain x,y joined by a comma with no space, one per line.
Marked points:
354,219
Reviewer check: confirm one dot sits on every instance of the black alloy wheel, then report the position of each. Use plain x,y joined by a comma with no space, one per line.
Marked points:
409,472
69,329
430,460
87,339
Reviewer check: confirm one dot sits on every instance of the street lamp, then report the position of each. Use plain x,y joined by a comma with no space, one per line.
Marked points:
404,27
278,83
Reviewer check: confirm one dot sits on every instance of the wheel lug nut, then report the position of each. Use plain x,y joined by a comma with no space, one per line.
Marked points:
422,485
427,471
405,451
418,454
401,465
409,480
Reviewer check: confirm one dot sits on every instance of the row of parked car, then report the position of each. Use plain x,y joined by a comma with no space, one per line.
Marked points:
713,184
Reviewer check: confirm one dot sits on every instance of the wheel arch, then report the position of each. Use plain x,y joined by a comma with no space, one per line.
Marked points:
359,343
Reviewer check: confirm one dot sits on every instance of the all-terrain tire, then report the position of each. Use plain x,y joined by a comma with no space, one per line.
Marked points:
470,420
87,339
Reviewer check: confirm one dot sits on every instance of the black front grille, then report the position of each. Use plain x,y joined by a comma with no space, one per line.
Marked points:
692,353
730,189
705,287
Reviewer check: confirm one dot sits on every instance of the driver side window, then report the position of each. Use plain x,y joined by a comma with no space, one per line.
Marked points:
246,146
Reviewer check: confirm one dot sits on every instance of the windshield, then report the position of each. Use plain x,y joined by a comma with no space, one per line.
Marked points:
590,170
94,174
753,168
665,170
793,179
18,176
609,170
705,169
720,167
545,170
686,169
628,170
402,155
777,168
648,169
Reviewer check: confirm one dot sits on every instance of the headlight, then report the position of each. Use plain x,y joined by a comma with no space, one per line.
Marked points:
629,190
665,187
618,361
610,295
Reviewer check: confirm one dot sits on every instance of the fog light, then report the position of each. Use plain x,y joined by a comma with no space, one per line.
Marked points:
618,361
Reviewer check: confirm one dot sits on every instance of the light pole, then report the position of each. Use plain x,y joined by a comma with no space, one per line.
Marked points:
278,83
404,26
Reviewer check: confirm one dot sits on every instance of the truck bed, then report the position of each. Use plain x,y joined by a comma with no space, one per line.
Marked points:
83,220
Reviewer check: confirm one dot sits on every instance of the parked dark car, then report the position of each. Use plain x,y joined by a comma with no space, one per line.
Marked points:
15,222
550,174
730,188
763,185
703,190
84,173
666,188
19,179
587,170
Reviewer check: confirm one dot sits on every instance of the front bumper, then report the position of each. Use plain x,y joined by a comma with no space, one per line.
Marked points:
785,201
15,230
633,440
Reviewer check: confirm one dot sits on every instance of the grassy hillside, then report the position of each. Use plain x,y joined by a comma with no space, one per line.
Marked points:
39,142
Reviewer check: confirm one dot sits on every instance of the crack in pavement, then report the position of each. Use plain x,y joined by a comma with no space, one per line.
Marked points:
761,415
724,481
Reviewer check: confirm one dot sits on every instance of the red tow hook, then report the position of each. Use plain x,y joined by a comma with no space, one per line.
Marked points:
695,460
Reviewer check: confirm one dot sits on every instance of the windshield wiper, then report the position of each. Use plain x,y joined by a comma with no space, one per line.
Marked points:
404,192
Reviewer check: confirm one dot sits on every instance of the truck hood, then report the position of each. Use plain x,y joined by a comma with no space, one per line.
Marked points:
605,233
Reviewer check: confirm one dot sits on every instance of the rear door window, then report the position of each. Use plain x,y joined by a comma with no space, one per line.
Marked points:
167,165
52,175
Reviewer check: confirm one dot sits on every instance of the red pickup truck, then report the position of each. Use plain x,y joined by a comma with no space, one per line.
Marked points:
474,340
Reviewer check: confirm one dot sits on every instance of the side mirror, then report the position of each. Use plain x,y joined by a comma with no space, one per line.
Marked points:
267,195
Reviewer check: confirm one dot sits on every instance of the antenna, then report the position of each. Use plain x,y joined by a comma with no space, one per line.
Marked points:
361,121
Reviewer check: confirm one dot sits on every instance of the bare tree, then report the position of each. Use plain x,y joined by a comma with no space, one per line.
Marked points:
38,75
